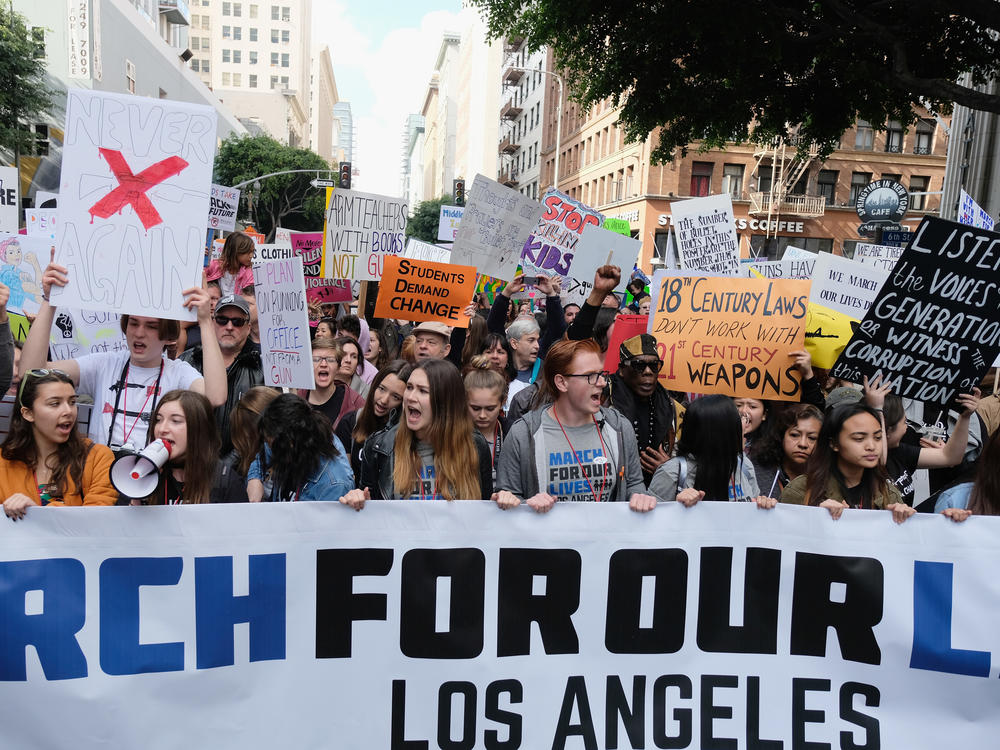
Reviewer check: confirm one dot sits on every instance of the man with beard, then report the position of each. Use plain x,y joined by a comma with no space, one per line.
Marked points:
240,356
636,393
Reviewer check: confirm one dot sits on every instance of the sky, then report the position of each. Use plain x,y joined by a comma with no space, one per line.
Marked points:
383,54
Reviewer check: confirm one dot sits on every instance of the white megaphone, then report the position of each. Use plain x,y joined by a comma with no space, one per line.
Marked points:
136,475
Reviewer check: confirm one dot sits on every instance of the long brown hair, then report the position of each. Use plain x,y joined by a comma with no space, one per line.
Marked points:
456,461
244,424
985,497
203,443
235,245
822,466
20,445
367,423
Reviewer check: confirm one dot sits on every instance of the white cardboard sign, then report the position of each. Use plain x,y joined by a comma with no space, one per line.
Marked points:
285,348
361,229
706,234
224,203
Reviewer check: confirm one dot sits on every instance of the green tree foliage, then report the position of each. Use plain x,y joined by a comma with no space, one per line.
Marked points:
724,70
423,225
25,95
287,200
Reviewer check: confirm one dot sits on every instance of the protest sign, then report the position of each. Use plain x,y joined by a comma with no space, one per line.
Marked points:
417,250
423,290
46,199
551,247
436,624
448,221
274,252
285,347
729,335
41,222
597,246
496,224
842,291
10,200
706,234
257,237
78,332
134,194
223,205
797,253
618,226
786,268
626,326
490,287
972,214
309,246
361,230
933,330
283,236
22,259
880,256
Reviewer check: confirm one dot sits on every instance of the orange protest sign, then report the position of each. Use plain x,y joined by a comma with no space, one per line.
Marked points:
729,335
422,290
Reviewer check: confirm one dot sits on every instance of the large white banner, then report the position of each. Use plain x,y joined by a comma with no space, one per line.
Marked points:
445,625
133,197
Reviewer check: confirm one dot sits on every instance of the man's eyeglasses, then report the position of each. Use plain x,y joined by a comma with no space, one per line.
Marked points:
222,320
325,360
640,365
38,372
592,377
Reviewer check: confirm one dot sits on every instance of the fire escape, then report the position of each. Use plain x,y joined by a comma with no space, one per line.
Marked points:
788,167
508,147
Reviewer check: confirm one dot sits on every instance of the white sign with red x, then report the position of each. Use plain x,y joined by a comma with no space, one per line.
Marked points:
135,184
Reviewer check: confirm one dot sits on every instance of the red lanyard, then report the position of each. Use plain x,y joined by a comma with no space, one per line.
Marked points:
604,452
138,416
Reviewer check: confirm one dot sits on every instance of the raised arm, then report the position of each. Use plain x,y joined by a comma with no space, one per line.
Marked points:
36,346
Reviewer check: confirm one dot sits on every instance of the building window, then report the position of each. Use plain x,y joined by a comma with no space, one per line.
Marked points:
919,185
275,12
227,32
253,33
130,76
284,60
237,9
284,82
206,23
858,182
237,56
285,36
238,32
227,79
826,185
237,79
254,10
923,142
226,56
274,59
763,179
227,9
864,137
253,57
252,81
701,178
194,65
205,67
286,13
274,82
38,41
41,139
275,36
732,180
195,42
205,44
893,177
894,137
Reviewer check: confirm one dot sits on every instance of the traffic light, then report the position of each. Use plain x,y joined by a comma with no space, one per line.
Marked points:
458,190
345,175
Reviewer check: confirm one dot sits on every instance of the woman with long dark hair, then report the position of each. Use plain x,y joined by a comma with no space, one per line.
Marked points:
847,470
185,421
307,461
497,348
783,450
245,434
980,497
45,460
434,452
709,464
380,409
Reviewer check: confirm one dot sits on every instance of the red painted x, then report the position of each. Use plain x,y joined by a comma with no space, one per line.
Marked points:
132,188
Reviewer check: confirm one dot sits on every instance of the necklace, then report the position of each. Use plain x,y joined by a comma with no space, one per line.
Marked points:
604,452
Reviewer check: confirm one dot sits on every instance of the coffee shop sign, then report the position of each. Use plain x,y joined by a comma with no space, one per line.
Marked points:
762,225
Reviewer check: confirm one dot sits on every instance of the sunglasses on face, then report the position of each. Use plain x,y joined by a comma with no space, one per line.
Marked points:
38,372
640,365
222,320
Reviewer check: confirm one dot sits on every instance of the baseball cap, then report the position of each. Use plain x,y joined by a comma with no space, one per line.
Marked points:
231,300
845,394
637,346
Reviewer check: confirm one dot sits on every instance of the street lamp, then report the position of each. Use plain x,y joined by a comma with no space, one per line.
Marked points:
559,80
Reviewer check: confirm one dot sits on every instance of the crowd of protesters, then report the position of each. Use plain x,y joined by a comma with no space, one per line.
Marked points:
517,408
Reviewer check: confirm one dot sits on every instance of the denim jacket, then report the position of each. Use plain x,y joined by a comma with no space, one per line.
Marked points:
333,479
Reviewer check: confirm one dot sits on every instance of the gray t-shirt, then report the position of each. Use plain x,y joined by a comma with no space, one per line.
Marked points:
578,468
425,485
